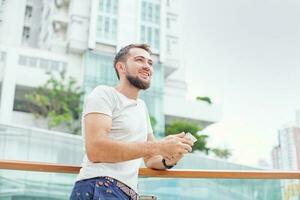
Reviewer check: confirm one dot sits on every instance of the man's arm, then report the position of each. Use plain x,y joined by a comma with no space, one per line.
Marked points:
155,162
100,148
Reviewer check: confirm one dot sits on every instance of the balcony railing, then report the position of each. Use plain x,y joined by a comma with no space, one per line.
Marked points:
267,185
146,172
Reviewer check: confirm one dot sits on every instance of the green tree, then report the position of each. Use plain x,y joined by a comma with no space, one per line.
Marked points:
193,128
153,121
206,99
222,153
58,100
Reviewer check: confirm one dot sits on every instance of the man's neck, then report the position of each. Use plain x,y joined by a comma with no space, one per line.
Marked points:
128,90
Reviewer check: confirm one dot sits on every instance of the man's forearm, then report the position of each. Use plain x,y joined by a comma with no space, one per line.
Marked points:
111,151
155,162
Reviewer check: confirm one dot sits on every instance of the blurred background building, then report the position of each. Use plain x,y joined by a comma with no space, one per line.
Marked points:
286,155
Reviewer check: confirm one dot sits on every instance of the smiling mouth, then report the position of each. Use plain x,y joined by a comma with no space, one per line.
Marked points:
146,75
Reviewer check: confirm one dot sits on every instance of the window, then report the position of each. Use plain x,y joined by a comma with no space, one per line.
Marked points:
55,65
44,64
52,65
28,11
2,56
150,23
32,62
1,9
26,32
106,23
21,103
23,60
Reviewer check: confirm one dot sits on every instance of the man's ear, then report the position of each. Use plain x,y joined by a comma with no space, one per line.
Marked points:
120,66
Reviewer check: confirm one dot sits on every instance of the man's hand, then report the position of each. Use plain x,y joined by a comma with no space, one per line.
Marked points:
175,146
173,159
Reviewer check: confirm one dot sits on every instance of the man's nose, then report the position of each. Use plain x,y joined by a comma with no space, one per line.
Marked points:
147,66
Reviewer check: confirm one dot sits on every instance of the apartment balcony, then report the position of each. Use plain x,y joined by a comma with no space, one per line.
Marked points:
60,19
172,55
171,64
39,164
199,112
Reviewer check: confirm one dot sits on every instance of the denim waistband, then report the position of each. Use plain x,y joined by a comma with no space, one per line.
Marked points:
126,189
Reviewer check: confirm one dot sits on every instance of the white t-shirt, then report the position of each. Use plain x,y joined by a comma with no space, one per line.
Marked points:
130,123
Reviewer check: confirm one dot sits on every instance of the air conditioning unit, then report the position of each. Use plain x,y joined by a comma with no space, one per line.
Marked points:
57,26
61,3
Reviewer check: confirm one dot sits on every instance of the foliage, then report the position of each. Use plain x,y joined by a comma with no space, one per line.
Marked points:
153,121
58,100
222,153
193,128
201,144
206,99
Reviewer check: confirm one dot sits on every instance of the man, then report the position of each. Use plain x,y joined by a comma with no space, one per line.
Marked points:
118,133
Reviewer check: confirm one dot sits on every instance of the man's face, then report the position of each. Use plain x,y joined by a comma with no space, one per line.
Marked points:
138,68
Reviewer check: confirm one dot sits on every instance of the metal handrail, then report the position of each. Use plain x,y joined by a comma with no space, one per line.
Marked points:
146,172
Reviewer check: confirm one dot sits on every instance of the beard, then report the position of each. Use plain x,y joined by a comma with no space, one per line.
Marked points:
137,82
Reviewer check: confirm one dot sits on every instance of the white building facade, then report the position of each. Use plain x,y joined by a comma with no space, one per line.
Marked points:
82,37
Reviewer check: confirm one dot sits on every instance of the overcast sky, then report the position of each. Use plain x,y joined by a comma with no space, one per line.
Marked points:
245,55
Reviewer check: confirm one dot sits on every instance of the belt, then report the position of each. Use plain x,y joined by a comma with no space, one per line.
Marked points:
127,190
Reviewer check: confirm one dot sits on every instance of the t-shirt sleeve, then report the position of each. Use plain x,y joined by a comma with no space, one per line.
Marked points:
99,101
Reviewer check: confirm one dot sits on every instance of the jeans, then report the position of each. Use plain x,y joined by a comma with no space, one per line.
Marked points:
100,188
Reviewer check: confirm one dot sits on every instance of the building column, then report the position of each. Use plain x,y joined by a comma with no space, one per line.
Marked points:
8,86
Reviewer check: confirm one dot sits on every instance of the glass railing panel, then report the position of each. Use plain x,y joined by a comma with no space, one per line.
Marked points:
216,189
30,144
54,186
24,185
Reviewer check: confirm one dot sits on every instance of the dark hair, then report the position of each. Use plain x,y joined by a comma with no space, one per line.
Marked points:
123,53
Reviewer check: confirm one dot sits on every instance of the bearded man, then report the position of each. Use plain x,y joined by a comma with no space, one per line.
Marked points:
118,134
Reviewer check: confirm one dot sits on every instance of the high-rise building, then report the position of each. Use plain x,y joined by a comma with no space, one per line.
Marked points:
82,37
286,156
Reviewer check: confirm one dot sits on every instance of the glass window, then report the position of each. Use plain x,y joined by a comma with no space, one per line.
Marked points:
149,32
3,56
168,22
157,13
99,24
44,64
32,62
156,40
28,11
114,28
23,60
26,31
150,12
101,5
115,6
143,32
55,65
144,10
150,23
108,6
106,27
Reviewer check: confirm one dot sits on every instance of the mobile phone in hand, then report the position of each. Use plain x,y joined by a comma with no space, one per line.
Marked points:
188,135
